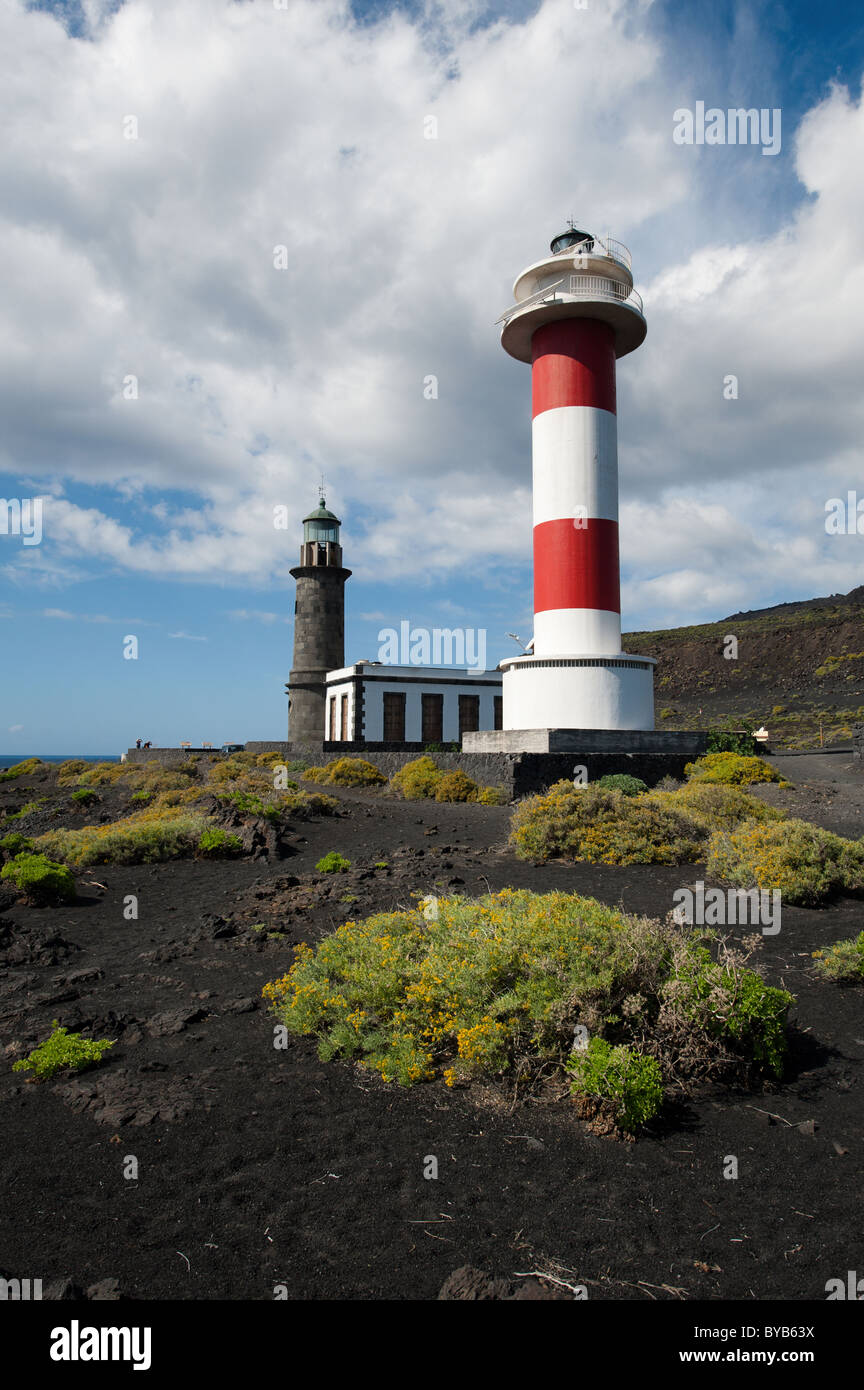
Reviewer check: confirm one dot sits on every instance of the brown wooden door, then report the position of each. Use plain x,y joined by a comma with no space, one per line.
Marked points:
394,717
332,705
469,714
344,718
433,718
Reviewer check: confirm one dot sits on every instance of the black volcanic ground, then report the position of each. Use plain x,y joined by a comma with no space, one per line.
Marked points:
260,1167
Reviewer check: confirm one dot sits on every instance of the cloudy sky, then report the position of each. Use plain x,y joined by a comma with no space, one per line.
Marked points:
168,376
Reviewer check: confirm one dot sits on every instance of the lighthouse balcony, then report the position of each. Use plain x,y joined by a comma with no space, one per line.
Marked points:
575,295
600,246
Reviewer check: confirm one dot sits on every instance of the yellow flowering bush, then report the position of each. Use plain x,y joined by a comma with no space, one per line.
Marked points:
455,786
149,776
353,772
269,758
505,977
22,769
417,779
716,806
144,838
843,961
732,769
315,774
604,826
492,796
806,863
422,778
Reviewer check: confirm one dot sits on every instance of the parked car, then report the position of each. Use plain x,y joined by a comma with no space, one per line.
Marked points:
232,748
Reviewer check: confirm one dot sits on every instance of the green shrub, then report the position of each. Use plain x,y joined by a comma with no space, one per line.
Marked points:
274,805
503,979
603,827
22,769
732,1005
72,767
251,805
26,810
217,843
315,774
455,786
333,863
231,768
63,1049
417,779
731,741
147,837
716,806
271,756
631,1082
732,770
141,796
492,796
807,864
622,782
40,879
15,843
842,961
85,796
353,772
105,774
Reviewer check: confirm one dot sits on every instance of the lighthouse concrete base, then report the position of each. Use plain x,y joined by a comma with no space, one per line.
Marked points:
680,743
595,692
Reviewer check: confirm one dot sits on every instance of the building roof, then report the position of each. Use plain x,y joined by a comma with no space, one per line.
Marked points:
321,514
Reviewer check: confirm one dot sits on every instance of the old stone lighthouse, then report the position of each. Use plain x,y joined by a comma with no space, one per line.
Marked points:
319,624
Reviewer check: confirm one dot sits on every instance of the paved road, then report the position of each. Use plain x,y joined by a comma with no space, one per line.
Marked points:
840,769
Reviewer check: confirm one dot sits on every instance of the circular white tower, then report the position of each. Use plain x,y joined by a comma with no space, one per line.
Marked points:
576,311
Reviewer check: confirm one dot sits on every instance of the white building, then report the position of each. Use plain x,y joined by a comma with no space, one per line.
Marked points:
371,702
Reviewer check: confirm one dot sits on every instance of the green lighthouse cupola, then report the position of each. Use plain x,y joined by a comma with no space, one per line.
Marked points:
321,538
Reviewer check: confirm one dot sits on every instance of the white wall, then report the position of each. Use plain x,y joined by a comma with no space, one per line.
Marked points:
414,689
578,697
336,692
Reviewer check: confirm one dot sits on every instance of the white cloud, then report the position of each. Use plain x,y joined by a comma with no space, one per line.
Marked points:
187,637
259,127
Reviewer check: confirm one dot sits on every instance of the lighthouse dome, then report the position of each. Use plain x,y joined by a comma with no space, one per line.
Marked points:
571,237
321,525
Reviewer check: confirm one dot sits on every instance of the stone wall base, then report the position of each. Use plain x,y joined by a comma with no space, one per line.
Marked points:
520,774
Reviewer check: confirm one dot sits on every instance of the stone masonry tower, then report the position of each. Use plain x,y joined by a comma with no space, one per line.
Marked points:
319,624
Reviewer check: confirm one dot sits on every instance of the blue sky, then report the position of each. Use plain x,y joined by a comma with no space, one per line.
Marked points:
155,156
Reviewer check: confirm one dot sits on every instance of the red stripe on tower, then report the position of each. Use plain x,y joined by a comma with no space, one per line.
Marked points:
573,364
576,567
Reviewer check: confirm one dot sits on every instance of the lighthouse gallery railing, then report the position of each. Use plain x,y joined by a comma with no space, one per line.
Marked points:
579,287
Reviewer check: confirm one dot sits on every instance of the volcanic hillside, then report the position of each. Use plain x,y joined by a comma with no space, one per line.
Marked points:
799,668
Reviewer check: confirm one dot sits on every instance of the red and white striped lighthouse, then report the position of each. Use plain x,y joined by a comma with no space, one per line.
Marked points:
576,312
